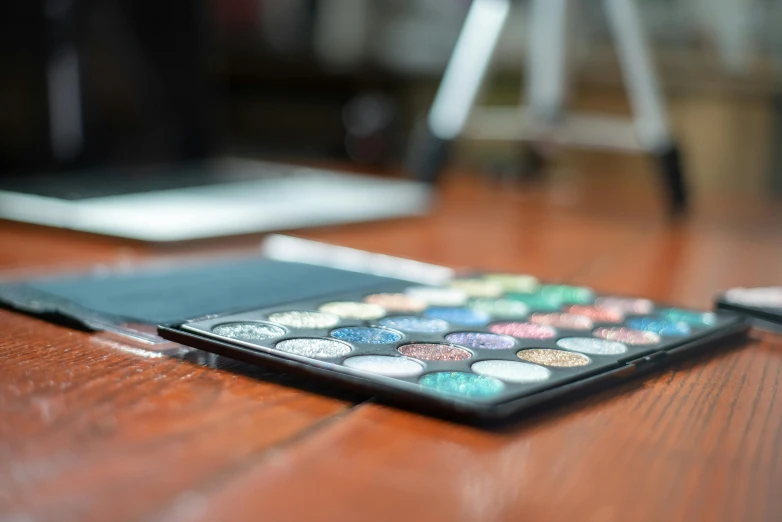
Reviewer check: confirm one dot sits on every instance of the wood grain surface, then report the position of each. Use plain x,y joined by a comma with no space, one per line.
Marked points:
94,429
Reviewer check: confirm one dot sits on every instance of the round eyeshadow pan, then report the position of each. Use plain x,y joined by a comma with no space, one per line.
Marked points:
462,383
660,327
628,305
313,347
411,323
434,352
627,336
465,316
536,302
478,287
556,358
514,283
500,308
592,346
560,320
691,317
388,365
437,296
366,335
352,310
249,331
511,371
296,319
524,330
485,341
596,313
396,302
567,294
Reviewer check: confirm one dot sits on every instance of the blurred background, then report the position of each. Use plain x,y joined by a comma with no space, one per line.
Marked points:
118,82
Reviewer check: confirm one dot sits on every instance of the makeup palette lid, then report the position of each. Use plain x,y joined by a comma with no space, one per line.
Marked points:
763,304
133,299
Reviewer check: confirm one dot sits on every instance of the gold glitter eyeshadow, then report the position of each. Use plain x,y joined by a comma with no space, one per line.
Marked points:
557,358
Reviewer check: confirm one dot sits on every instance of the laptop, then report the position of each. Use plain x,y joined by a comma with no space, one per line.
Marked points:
209,198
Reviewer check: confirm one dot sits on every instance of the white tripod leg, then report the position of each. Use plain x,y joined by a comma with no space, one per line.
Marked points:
459,87
546,76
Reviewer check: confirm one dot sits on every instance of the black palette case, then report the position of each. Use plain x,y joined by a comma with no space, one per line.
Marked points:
463,359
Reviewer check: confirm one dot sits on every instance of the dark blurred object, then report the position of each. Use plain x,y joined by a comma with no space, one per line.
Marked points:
93,82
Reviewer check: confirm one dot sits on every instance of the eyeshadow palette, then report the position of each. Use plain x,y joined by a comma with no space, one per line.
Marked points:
487,346
763,304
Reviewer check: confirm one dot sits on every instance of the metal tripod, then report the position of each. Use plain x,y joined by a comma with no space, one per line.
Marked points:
453,113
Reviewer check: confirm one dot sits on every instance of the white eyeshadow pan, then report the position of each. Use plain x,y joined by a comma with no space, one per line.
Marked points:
387,365
313,347
296,319
592,346
511,371
354,310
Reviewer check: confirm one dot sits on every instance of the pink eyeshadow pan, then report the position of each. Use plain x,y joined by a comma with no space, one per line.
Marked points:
523,330
627,336
599,314
434,352
559,320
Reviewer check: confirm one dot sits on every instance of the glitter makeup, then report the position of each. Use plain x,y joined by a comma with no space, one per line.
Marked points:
478,287
567,294
511,371
560,320
366,335
396,302
660,327
434,352
411,323
388,365
351,310
591,345
556,358
597,314
485,341
313,320
315,348
462,383
627,336
437,296
514,283
692,318
464,316
523,330
249,331
628,305
500,308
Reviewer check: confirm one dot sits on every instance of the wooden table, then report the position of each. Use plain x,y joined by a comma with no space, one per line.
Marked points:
92,429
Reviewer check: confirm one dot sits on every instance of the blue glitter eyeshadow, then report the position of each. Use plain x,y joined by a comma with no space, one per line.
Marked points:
693,318
367,335
660,327
463,316
464,384
411,323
